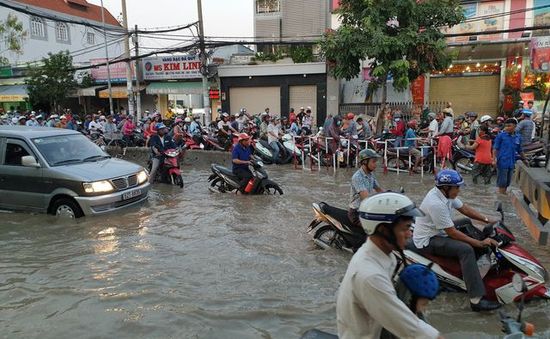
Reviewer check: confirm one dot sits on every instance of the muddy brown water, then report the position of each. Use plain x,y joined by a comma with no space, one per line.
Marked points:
193,264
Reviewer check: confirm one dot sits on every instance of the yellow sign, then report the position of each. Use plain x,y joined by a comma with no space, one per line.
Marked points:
12,98
117,93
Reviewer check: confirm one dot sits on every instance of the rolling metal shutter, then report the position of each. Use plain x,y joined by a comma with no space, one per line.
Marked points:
478,94
255,99
304,96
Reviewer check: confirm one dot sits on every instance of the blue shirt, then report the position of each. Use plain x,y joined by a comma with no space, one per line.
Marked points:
241,153
507,146
195,129
410,134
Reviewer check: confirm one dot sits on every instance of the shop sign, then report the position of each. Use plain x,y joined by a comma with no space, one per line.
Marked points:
527,96
172,67
12,98
117,70
6,72
540,54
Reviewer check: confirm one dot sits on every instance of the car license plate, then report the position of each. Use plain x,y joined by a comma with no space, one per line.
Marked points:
130,195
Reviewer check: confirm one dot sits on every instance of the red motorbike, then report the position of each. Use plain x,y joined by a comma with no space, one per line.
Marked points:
169,171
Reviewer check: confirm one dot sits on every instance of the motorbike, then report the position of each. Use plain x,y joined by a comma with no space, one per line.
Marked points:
535,154
223,180
502,263
263,151
462,159
403,162
292,148
190,143
169,170
331,228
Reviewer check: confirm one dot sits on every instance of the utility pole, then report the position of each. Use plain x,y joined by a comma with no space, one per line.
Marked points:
129,77
204,69
138,72
107,62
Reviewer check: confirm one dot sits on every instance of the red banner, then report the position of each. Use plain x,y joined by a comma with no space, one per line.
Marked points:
417,90
513,72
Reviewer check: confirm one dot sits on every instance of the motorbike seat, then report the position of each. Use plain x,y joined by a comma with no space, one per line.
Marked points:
533,146
449,264
223,170
337,213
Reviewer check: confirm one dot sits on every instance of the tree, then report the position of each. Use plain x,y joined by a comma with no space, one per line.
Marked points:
50,83
12,35
403,38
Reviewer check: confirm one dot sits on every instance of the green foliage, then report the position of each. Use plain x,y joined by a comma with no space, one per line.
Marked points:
273,57
50,84
12,35
87,81
301,54
415,47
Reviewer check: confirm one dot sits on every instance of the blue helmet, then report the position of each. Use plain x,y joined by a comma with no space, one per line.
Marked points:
448,177
420,281
160,125
526,112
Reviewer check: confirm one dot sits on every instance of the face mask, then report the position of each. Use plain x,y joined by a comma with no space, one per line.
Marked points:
338,123
397,119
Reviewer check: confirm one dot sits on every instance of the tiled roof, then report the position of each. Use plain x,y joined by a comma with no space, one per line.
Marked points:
79,8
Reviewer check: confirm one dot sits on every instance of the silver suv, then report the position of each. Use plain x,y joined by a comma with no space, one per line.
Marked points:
62,172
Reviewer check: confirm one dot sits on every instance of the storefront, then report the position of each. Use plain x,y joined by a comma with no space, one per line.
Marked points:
14,96
277,86
176,96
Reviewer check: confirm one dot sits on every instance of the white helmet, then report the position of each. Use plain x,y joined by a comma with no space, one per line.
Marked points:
385,208
485,118
187,119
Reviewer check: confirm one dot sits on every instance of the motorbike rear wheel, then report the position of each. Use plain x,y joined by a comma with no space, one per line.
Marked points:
271,189
394,163
327,236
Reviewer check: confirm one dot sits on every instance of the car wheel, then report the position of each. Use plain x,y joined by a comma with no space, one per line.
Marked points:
66,208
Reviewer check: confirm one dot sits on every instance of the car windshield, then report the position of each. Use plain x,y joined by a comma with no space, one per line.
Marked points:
68,149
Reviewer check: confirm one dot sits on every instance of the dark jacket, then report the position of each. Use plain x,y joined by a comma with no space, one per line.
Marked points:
156,142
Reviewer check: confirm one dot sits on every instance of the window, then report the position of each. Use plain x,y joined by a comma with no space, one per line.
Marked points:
38,29
14,153
90,38
268,6
61,32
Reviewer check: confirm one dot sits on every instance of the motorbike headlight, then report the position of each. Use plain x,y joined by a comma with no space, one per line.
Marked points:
98,186
142,177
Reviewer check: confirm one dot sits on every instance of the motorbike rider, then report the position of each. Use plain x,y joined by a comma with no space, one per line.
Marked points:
363,184
526,127
435,233
446,127
159,143
241,155
474,124
224,132
411,143
367,300
195,130
273,134
333,132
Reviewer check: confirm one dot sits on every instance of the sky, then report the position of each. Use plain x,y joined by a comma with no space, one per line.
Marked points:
221,17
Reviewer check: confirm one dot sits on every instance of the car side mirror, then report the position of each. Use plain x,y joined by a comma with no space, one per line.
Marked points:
29,161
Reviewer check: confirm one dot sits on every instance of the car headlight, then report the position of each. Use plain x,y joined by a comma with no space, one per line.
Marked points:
142,177
98,186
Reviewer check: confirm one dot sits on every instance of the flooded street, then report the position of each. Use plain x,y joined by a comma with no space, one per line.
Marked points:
194,264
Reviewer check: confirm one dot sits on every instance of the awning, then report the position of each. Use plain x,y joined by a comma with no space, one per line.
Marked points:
13,93
118,92
174,88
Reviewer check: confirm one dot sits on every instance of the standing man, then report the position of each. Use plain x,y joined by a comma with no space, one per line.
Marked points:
307,122
525,128
300,115
447,126
273,131
241,154
367,301
507,144
363,184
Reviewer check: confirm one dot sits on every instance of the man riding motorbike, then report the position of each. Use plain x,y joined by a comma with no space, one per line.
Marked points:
363,184
159,143
195,130
435,233
367,301
241,154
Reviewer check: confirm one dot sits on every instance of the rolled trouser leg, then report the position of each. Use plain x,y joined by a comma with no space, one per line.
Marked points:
154,167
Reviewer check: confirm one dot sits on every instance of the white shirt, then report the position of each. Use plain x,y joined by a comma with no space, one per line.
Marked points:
438,212
95,126
447,126
367,301
222,123
275,130
434,127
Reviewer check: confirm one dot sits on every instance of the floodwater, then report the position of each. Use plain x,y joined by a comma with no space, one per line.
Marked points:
194,264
